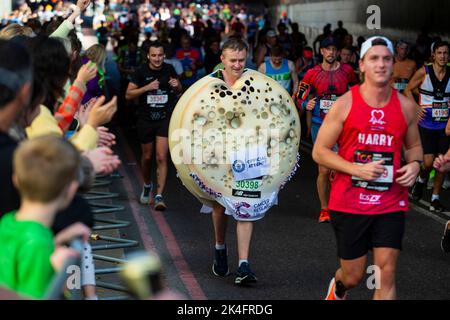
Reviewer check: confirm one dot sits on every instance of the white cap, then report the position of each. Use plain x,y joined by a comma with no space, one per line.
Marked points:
375,41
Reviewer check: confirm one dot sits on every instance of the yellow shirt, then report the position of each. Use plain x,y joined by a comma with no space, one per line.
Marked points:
44,124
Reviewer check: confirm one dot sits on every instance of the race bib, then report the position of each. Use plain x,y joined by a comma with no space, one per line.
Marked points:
248,189
401,85
440,112
325,104
249,164
386,180
158,100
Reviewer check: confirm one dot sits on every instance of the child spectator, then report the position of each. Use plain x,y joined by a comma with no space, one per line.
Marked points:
45,173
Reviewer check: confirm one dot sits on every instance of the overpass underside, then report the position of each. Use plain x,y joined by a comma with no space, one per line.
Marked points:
397,19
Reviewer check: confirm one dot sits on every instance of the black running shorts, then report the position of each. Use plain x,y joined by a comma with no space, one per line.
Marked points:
356,234
147,131
434,141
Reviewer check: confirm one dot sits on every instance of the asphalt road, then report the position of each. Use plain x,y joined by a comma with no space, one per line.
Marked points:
293,256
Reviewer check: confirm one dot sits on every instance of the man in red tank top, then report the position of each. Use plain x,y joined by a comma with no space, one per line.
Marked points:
369,195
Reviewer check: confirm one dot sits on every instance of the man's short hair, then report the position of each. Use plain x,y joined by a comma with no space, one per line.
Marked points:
277,51
155,44
15,70
439,44
235,44
44,167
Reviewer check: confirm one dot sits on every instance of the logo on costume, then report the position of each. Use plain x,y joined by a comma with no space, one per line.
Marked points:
238,207
238,166
377,117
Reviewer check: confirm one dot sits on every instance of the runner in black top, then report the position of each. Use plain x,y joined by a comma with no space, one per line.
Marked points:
157,86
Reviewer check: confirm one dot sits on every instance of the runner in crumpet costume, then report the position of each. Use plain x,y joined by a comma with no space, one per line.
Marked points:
234,137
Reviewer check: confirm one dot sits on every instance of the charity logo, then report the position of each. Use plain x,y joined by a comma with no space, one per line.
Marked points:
377,117
238,166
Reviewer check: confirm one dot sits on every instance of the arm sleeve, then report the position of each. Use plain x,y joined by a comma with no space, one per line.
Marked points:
86,139
69,107
63,30
45,123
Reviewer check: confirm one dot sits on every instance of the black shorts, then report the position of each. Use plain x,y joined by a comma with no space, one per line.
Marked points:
356,234
434,141
147,131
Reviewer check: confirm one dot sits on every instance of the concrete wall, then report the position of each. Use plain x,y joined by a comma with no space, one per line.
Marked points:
399,18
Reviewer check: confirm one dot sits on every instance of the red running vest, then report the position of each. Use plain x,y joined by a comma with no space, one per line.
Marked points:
371,134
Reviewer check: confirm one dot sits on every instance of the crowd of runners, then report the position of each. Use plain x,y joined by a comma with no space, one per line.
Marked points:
376,111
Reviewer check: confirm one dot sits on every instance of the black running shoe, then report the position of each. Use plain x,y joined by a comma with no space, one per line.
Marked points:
220,265
244,275
436,206
445,242
417,191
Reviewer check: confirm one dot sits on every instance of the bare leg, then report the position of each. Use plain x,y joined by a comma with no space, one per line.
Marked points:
162,149
323,186
220,223
146,162
351,272
386,260
244,232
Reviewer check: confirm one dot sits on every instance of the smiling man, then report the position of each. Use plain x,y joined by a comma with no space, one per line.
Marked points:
234,56
156,85
369,196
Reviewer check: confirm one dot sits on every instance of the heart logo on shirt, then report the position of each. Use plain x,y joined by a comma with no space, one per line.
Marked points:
377,117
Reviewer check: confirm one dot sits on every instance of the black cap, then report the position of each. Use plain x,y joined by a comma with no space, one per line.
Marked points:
330,41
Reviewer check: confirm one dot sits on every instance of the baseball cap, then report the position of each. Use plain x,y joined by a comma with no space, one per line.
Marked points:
271,33
307,54
330,41
376,41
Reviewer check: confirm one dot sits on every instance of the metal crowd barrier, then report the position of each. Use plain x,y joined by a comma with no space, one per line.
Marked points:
104,224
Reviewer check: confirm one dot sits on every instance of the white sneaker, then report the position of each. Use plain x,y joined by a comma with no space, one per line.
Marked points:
146,195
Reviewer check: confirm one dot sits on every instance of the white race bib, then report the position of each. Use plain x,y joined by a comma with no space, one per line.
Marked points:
440,111
325,105
157,99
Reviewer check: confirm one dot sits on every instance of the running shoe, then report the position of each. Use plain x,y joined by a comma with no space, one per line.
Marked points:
445,242
331,294
446,184
220,264
146,194
244,275
436,206
159,203
324,216
417,191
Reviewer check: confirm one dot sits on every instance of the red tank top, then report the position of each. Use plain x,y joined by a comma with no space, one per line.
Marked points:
371,134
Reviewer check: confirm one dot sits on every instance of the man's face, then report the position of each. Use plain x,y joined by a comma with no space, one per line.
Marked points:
441,56
215,47
346,56
186,44
234,61
276,61
377,65
329,54
271,41
156,57
402,51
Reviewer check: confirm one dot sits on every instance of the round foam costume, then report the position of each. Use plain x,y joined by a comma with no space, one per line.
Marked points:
222,138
